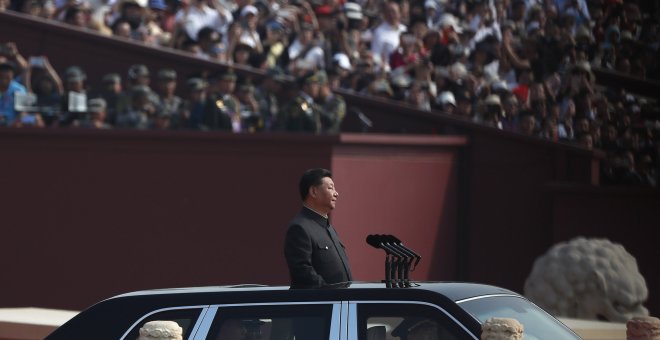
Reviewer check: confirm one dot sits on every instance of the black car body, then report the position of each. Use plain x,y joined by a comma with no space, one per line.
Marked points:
356,311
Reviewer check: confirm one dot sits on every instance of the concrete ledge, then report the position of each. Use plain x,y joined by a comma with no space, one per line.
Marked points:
596,330
31,323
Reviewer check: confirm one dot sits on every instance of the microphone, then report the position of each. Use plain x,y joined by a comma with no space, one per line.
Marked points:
374,241
364,120
406,260
380,242
392,268
398,242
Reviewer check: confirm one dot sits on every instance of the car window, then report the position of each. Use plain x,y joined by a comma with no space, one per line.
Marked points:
186,319
277,322
405,322
537,323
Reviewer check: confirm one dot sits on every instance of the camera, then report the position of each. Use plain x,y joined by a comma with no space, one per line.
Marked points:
37,61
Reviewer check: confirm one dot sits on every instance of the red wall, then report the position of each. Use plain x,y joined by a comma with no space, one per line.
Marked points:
87,215
409,192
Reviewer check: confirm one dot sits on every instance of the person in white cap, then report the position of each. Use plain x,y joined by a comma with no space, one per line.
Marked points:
250,36
447,102
432,12
342,64
161,330
492,113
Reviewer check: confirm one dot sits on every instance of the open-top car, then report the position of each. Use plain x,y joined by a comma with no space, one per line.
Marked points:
352,311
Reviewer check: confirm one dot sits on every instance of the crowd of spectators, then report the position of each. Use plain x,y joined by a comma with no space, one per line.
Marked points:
518,65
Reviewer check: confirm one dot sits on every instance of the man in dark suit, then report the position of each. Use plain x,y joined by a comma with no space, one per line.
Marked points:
315,255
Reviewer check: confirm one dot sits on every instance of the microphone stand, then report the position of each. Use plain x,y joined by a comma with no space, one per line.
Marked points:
398,267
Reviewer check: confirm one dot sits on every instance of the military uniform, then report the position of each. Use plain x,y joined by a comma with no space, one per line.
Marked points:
269,107
221,110
332,113
302,114
251,119
267,97
168,106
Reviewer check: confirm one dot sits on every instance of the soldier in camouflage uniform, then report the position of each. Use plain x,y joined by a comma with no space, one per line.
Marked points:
251,119
268,95
138,75
167,104
333,105
221,111
302,114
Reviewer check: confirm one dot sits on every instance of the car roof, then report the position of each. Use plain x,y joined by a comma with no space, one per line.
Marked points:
455,291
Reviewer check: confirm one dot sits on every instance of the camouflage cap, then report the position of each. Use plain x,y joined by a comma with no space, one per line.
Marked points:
311,78
195,84
166,74
96,105
322,77
112,78
75,73
138,70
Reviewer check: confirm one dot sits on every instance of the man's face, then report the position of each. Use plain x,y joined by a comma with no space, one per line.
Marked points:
392,13
312,89
143,80
324,195
167,86
226,86
527,125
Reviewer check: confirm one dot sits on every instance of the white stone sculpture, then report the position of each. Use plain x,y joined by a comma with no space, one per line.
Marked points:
161,330
643,328
591,279
501,329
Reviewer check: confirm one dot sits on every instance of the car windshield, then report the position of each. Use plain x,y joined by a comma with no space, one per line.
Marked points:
537,323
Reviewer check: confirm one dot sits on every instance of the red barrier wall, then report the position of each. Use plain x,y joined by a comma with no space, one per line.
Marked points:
402,190
87,215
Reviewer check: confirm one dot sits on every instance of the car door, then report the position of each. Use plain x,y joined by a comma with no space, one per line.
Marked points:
402,320
273,321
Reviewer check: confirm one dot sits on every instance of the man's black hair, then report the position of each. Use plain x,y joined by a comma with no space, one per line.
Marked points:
310,178
206,32
7,67
71,13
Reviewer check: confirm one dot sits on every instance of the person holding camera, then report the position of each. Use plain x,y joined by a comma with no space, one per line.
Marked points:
8,90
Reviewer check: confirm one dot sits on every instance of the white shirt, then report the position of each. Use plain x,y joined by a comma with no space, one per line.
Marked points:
194,19
315,55
386,39
250,38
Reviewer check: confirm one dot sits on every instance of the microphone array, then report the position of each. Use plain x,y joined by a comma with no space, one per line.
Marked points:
399,259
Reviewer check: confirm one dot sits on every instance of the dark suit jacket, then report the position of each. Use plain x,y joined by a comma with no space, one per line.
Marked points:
314,253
